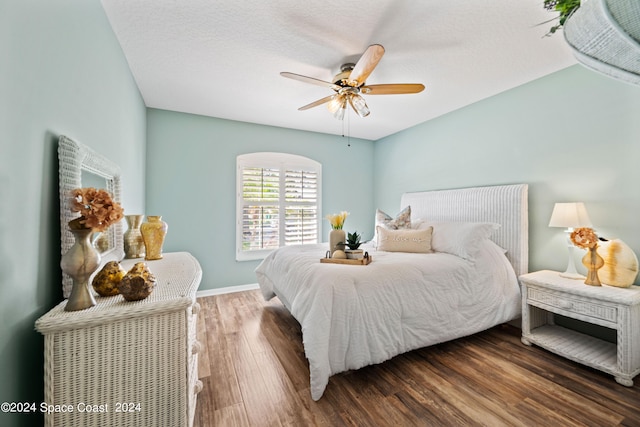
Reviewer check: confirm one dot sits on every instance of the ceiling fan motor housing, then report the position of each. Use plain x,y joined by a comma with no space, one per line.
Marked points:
342,78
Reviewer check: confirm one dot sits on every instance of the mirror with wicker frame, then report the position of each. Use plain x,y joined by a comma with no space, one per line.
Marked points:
80,166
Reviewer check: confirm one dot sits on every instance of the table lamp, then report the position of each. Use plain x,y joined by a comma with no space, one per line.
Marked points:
570,215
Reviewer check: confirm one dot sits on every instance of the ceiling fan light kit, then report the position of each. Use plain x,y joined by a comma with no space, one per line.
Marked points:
337,107
350,83
358,104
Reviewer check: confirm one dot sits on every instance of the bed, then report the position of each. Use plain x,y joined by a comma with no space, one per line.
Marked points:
354,316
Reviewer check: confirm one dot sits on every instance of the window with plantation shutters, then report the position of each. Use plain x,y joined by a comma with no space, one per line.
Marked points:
278,203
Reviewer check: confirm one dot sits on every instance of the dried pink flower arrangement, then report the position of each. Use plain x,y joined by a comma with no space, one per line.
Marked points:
584,238
97,209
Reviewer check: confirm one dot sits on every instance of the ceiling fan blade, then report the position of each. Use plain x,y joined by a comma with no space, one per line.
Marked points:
392,89
366,64
310,80
318,102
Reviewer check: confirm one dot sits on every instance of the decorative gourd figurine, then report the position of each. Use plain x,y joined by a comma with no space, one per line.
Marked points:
106,281
138,283
339,254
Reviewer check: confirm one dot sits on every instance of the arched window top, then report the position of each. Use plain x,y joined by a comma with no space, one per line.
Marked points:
273,159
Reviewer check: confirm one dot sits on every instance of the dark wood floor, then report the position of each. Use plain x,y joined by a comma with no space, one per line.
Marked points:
255,374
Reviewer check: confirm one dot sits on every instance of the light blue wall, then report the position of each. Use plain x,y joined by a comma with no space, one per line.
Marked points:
572,136
191,172
61,72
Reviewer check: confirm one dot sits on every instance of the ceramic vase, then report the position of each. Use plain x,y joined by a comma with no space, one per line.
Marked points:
337,239
593,262
620,267
153,234
100,241
133,242
80,262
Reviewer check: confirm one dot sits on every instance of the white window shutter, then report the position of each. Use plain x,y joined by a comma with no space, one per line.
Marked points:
278,203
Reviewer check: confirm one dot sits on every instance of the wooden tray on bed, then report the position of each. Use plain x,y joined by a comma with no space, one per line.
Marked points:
364,261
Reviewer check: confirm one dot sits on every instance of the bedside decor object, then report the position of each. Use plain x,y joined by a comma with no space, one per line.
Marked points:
337,236
81,167
570,216
353,242
339,254
620,263
98,212
106,281
586,238
593,261
153,234
138,283
133,242
79,262
365,260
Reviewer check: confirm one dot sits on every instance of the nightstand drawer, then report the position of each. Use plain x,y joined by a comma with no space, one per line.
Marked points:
572,305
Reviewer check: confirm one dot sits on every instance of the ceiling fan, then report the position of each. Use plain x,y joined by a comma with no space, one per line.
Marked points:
349,84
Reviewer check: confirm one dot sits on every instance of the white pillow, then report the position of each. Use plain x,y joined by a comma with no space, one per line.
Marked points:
416,223
405,240
463,239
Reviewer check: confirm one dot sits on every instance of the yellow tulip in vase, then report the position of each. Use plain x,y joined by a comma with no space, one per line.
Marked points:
337,236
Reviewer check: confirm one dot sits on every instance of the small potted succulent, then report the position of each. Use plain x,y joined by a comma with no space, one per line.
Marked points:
353,243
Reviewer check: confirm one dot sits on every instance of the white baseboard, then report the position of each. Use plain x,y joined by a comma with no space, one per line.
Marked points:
227,290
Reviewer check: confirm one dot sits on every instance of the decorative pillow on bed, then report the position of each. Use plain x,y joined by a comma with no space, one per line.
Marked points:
463,239
405,240
401,221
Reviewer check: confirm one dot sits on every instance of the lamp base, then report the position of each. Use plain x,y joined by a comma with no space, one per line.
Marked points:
571,272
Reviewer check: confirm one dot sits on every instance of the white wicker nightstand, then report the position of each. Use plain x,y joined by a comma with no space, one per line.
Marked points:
545,293
136,361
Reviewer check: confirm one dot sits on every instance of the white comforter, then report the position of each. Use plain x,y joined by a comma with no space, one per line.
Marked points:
353,316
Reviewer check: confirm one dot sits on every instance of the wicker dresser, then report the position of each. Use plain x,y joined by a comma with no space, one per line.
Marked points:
126,363
545,293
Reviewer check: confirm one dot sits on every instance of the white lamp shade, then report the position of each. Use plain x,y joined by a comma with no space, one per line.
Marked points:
569,215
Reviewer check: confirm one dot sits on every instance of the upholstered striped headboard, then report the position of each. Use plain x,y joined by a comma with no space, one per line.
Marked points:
506,205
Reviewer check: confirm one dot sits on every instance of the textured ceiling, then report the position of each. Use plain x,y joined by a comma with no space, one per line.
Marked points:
223,58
